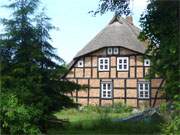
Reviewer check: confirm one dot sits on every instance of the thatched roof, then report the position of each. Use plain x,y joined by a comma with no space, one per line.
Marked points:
119,32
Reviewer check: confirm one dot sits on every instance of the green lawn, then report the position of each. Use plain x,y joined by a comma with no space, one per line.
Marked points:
98,120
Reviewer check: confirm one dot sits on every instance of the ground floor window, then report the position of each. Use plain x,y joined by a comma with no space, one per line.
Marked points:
143,89
106,90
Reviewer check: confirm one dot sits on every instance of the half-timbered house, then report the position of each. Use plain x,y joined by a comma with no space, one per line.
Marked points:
113,66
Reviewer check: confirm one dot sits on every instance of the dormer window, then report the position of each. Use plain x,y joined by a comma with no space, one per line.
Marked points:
146,62
113,51
110,51
116,50
80,63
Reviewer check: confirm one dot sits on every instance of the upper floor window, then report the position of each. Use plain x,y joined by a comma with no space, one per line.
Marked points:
122,63
146,62
112,51
106,90
116,50
103,64
143,89
80,63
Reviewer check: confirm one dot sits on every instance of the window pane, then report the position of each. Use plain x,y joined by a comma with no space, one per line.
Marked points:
101,66
109,50
120,61
141,86
104,86
116,50
125,61
101,61
105,67
120,66
146,87
109,86
106,61
125,66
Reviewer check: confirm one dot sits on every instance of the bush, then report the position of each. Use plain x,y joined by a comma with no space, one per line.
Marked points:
171,115
172,127
16,118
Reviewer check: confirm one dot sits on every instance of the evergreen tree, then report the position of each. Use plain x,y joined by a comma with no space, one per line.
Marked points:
30,70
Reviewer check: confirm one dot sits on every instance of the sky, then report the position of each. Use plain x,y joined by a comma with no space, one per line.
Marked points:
76,26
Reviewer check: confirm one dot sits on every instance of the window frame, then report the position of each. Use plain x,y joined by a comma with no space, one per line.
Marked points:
122,64
108,90
110,52
80,61
103,64
144,91
149,62
116,52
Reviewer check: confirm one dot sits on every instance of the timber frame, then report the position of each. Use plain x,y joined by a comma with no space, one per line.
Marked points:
124,83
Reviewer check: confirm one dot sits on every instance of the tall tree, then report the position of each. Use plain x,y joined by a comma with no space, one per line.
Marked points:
161,27
30,70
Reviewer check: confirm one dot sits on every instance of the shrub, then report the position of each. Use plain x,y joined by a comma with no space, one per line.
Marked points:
171,115
16,118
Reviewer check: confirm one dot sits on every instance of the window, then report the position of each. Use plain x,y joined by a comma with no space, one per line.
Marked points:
146,62
110,51
143,89
113,50
116,50
103,64
80,63
122,64
106,90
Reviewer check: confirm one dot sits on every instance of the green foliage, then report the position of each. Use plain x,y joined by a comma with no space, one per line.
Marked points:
30,69
120,7
172,127
160,26
171,115
17,118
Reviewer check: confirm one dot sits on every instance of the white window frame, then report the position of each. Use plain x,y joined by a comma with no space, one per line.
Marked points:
80,63
122,63
145,62
103,64
143,90
116,51
106,90
110,50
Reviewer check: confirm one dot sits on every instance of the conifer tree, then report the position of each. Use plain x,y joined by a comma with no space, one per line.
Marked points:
30,69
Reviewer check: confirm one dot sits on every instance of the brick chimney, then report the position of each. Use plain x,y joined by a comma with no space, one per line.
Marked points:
129,19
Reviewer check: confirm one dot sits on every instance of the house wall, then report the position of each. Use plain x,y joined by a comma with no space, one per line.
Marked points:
124,83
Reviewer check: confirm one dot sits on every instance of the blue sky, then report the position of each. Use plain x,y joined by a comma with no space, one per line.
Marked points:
76,26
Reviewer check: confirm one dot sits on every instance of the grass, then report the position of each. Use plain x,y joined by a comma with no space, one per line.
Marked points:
98,120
